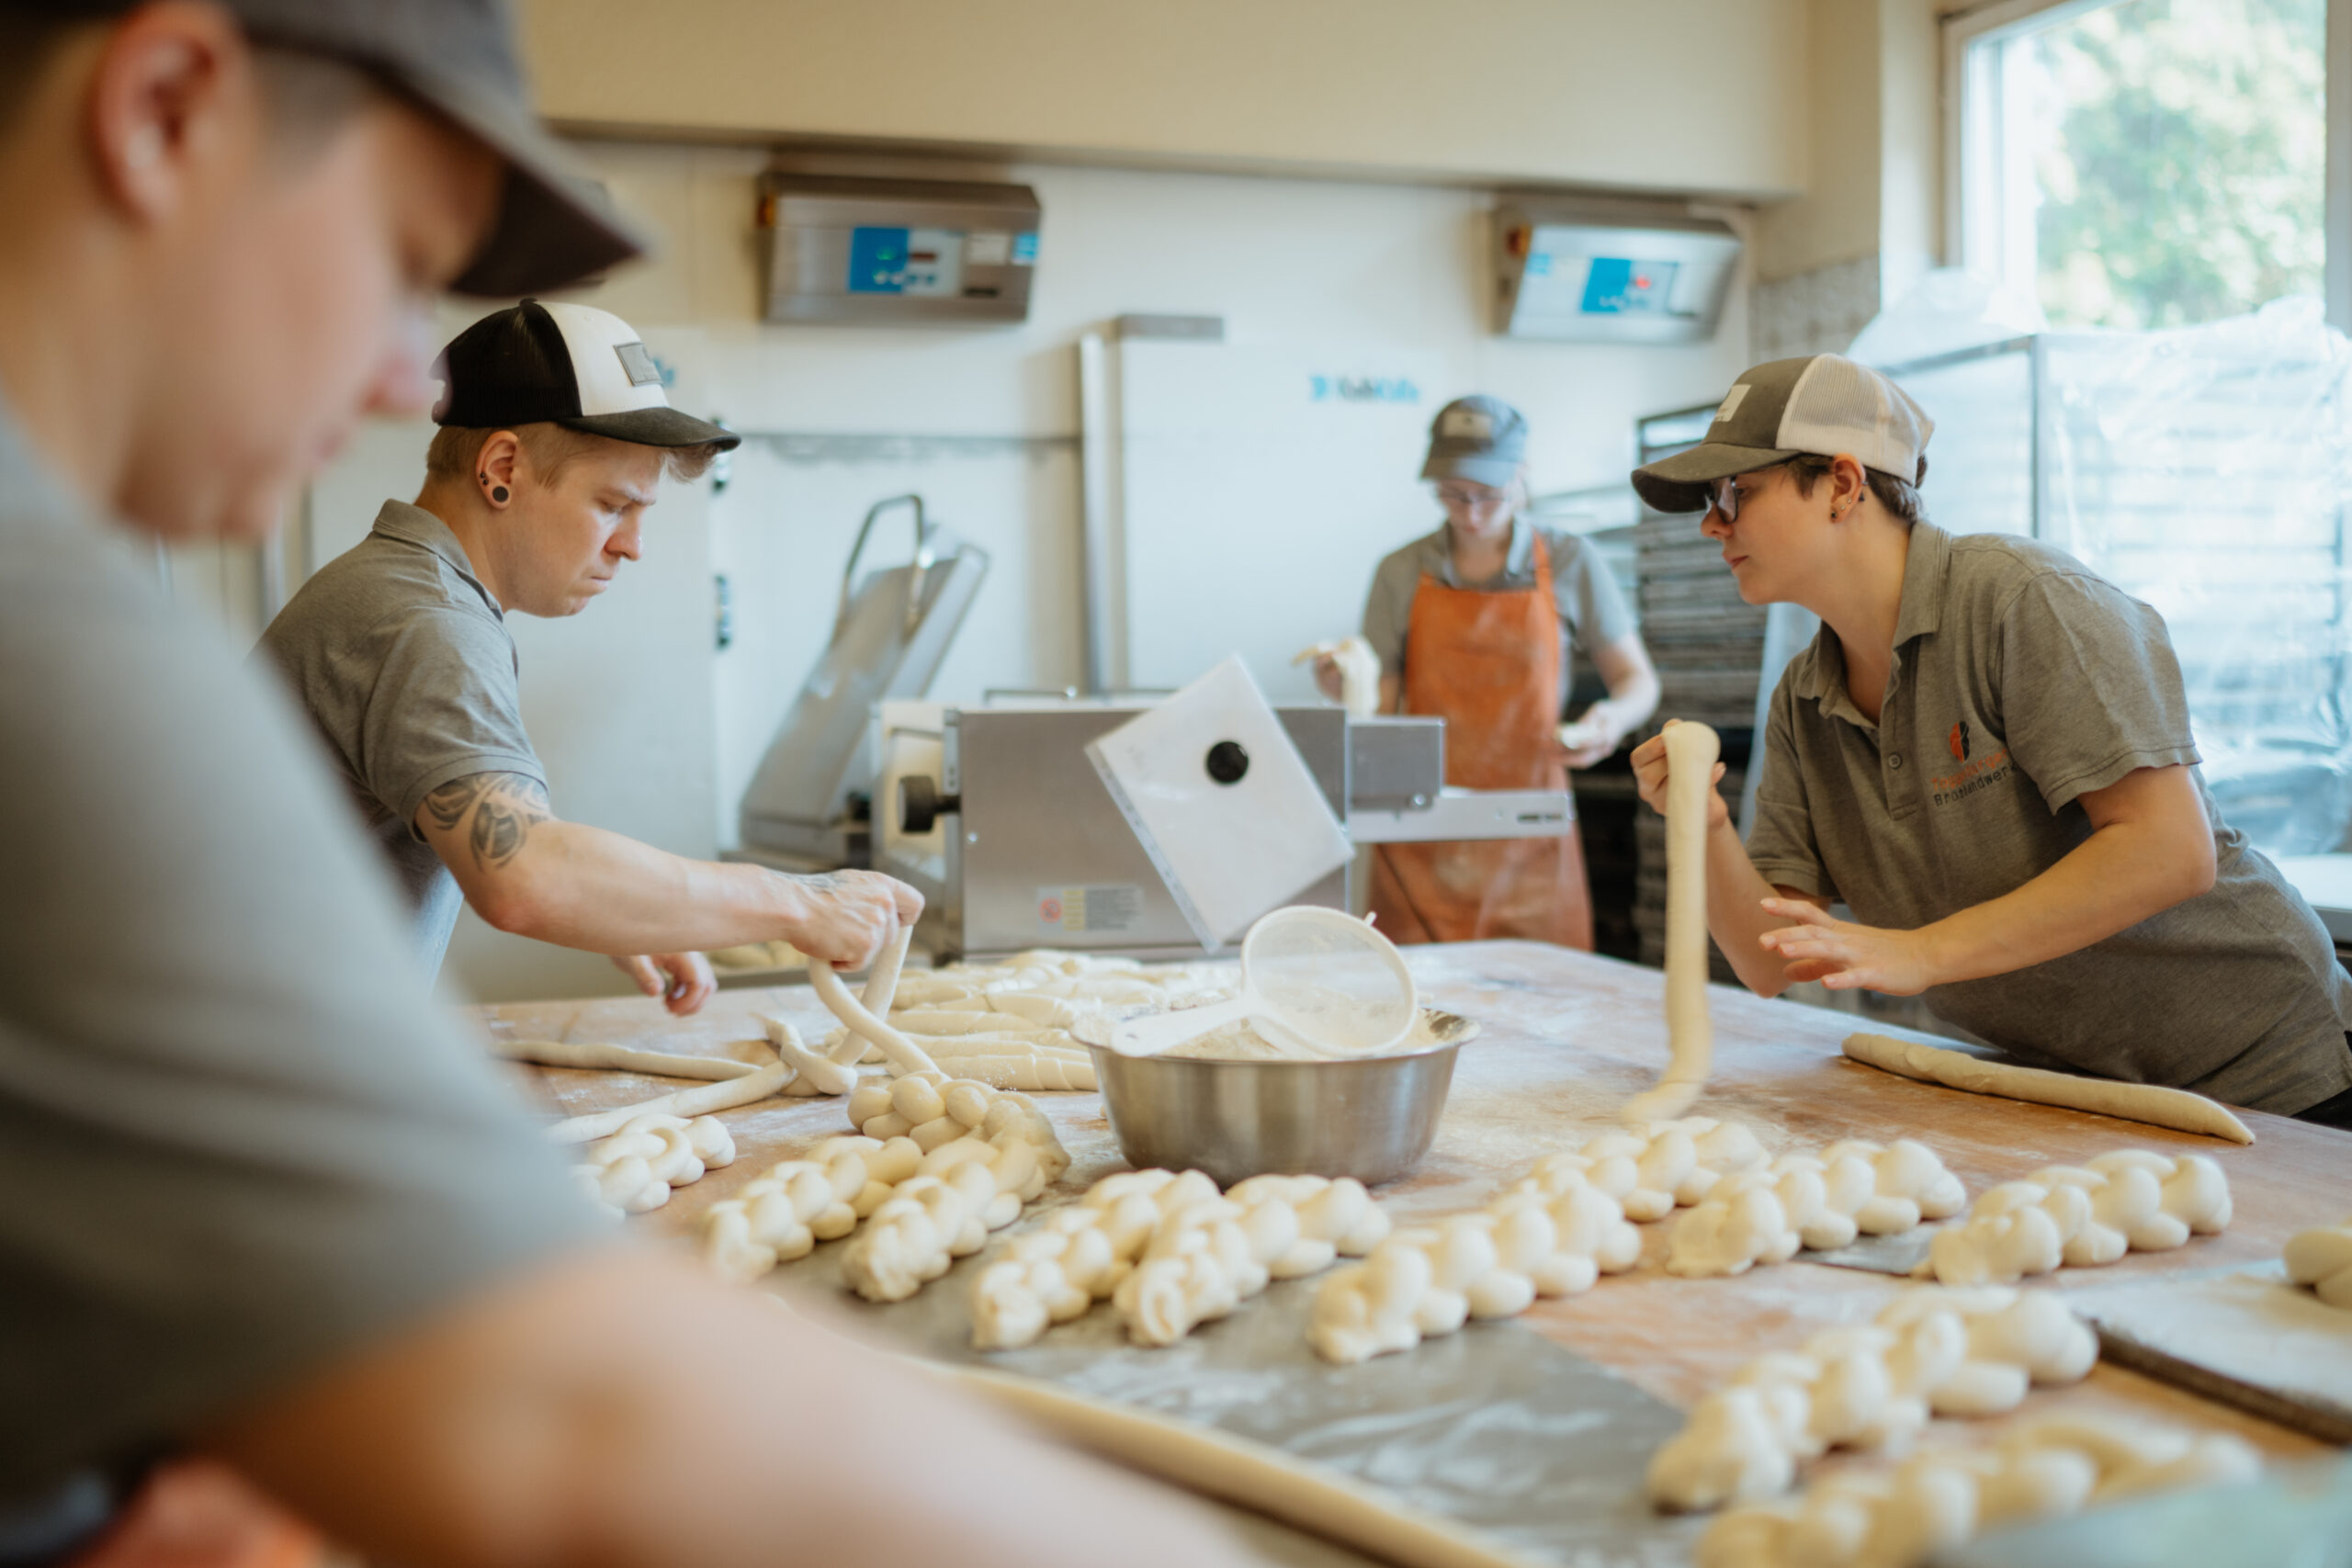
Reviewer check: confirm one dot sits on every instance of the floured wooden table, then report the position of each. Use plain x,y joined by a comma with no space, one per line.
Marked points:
1567,1037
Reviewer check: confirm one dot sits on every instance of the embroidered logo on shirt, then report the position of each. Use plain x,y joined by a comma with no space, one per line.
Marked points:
1958,742
1970,777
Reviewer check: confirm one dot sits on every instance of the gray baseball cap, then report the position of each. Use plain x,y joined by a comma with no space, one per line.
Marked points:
1822,404
1480,439
456,58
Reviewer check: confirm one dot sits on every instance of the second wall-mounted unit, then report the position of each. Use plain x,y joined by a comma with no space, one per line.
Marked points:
1610,272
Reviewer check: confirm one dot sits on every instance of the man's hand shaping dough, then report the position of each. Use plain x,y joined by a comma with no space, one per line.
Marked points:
842,918
1845,956
682,980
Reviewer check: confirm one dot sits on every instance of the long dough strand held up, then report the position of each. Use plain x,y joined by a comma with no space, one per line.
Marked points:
1691,753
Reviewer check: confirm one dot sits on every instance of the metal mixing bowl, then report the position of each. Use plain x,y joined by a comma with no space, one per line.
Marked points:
1372,1119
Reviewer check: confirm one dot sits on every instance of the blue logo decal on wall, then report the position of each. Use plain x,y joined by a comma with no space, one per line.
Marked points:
1362,389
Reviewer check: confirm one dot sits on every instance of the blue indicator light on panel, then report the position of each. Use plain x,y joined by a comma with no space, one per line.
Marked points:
1615,286
878,260
1024,249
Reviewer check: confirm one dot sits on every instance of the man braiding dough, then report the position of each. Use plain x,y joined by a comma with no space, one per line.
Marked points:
555,437
1985,754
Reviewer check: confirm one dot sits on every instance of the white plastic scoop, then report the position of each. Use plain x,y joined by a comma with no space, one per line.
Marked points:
1314,979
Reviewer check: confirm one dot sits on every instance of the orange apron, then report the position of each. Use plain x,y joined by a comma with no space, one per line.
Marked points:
199,1513
1488,663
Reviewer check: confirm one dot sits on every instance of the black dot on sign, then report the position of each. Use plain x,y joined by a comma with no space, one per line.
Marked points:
1227,761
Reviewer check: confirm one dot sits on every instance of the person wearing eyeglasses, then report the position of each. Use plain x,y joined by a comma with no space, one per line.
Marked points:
1986,755
1473,623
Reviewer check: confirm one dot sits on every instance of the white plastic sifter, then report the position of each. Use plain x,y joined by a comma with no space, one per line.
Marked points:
1314,979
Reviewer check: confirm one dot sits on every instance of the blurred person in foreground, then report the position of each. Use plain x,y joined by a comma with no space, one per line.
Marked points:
292,1250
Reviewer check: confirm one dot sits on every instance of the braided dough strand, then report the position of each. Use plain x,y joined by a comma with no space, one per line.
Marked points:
1820,1199
2130,1200
1943,1497
633,1170
2321,1259
1931,1350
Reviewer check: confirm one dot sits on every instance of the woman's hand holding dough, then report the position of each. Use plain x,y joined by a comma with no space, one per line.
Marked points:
1845,956
1649,777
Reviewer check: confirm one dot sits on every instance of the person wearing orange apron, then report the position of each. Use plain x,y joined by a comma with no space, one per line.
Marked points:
1472,624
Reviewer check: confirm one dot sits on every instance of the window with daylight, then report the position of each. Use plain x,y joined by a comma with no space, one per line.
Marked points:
2145,163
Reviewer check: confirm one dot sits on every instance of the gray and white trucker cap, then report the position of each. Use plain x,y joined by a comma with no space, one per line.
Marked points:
569,365
1480,439
456,58
1823,404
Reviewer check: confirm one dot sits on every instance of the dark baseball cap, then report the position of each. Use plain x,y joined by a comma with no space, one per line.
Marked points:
570,365
1822,404
456,58
1480,439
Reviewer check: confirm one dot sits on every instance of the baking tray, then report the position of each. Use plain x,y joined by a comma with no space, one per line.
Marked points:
1494,1427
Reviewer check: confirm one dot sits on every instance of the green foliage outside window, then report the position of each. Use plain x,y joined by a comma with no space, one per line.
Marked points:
2179,148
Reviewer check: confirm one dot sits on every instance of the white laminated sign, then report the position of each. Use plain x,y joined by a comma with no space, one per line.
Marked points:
1222,802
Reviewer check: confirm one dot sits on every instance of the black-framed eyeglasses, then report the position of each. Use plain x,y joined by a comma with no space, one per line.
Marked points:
1723,498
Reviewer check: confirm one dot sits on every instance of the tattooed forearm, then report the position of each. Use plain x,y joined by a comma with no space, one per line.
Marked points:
504,808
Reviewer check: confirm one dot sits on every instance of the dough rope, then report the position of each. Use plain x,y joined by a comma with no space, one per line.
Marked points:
620,1058
1931,1351
1554,1232
1943,1497
2133,1200
903,1055
1819,1200
633,1170
1169,1252
2321,1259
2151,1103
992,1152
725,1095
1691,753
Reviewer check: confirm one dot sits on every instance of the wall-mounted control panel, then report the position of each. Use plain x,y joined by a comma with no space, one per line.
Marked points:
897,252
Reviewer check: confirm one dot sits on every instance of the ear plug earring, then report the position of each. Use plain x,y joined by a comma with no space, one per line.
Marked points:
498,494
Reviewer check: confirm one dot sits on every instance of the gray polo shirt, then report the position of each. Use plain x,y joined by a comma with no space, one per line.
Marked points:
239,1141
2021,681
1592,608
406,666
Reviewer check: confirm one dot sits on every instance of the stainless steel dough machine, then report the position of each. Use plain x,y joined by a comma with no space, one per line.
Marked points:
998,817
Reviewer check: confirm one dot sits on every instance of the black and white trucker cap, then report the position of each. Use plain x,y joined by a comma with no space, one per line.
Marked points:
457,58
1822,404
569,365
